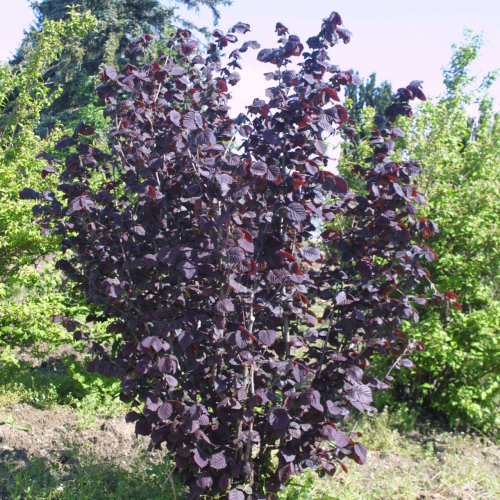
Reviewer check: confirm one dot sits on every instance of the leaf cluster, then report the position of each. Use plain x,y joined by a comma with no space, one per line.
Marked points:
30,290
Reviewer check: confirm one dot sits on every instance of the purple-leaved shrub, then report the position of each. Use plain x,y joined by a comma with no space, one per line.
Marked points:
202,256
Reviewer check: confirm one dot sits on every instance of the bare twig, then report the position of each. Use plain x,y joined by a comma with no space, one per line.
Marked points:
168,477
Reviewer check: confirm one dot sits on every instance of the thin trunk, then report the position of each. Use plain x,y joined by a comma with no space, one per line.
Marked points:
239,424
248,453
286,335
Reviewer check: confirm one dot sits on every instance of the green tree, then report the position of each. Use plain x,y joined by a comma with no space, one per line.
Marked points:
459,373
81,61
28,295
368,94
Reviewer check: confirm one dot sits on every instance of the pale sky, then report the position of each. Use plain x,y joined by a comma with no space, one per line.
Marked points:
399,40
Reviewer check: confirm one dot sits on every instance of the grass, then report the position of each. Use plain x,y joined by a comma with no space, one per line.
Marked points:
64,384
82,477
406,464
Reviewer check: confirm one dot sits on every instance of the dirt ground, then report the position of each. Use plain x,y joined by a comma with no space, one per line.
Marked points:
48,433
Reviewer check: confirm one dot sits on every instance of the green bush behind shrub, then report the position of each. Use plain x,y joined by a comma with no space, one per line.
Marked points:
458,375
31,290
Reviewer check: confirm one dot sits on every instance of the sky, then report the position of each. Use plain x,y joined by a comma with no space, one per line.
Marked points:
399,40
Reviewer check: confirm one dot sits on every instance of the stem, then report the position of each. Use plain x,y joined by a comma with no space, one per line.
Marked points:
325,345
168,477
239,424
395,363
286,335
387,374
248,454
229,144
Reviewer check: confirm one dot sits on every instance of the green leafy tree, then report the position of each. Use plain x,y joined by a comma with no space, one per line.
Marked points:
459,373
28,293
81,61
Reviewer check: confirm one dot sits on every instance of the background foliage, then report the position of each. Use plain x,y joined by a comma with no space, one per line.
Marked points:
456,139
28,292
368,95
82,58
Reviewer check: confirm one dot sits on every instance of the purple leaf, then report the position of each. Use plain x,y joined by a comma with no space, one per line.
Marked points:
341,439
149,260
320,147
187,269
258,169
311,254
139,230
342,300
361,452
278,419
225,306
165,411
236,495
201,459
29,194
204,481
273,173
192,121
296,212
268,337
407,363
224,482
236,255
218,461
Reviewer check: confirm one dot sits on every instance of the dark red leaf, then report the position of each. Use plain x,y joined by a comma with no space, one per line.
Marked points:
218,461
278,419
225,306
311,254
258,169
236,495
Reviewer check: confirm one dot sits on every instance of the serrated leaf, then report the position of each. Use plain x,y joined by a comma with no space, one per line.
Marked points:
320,147
296,212
225,306
165,411
187,269
311,254
278,419
236,495
218,461
258,168
341,439
201,459
361,452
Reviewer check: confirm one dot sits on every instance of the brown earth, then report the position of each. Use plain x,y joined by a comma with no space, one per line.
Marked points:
45,433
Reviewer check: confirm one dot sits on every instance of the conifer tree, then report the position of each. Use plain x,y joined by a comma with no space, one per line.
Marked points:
369,94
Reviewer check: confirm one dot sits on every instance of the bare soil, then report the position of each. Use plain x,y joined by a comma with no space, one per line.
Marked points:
46,433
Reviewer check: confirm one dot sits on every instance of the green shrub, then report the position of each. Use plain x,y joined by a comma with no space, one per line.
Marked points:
459,372
58,383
